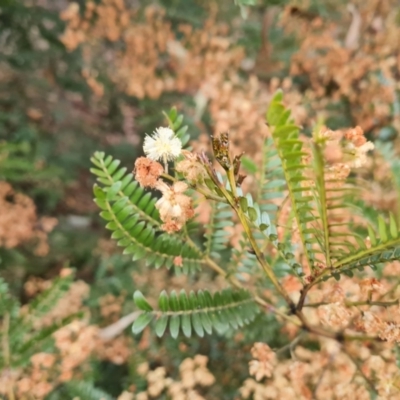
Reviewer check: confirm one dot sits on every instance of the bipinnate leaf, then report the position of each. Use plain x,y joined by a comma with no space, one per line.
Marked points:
199,313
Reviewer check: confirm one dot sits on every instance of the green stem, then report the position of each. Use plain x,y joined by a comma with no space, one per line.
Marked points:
260,301
261,259
322,204
259,255
358,303
361,372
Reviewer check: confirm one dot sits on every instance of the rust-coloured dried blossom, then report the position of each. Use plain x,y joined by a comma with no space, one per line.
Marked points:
193,373
43,360
338,68
335,295
335,315
171,226
147,172
371,285
390,331
111,306
333,152
356,136
117,350
178,261
264,363
19,222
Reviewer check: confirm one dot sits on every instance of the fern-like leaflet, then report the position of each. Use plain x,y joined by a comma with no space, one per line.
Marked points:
290,150
217,237
200,312
315,198
20,334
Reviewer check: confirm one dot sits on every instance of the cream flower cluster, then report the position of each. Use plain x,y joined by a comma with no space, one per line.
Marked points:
162,145
174,206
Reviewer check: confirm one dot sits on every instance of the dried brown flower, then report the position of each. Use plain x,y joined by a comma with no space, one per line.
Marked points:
147,172
264,363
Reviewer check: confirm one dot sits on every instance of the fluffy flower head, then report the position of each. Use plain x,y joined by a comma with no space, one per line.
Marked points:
174,206
162,145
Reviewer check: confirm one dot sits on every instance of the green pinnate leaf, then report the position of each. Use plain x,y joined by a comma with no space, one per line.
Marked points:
161,325
371,234
394,231
252,214
141,322
174,301
163,303
113,190
382,229
174,325
141,302
197,324
186,325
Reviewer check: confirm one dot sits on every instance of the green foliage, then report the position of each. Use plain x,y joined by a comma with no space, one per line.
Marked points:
312,204
388,154
217,237
290,150
46,158
200,312
385,247
175,122
134,220
85,390
19,333
16,164
272,183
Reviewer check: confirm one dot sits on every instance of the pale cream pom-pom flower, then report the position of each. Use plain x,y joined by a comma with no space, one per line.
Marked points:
360,153
162,145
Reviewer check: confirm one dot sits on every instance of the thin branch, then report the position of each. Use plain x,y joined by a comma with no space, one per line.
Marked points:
290,346
358,303
360,371
115,329
353,34
6,349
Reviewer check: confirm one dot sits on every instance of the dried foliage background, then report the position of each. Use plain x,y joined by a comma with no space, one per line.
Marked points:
96,75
